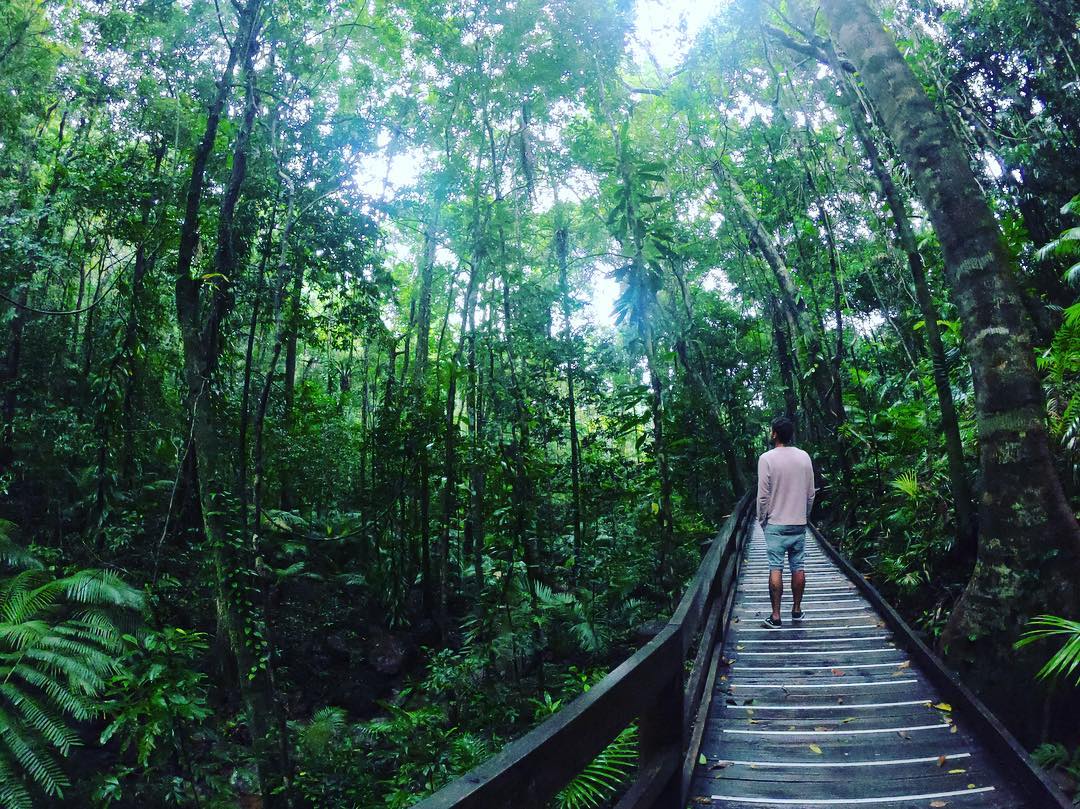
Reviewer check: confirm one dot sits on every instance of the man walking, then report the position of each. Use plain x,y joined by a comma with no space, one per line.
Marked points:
785,496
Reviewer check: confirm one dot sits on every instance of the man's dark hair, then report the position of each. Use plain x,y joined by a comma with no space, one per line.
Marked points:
784,429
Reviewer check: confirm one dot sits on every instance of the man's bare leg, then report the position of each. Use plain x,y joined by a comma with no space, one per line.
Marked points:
798,585
776,591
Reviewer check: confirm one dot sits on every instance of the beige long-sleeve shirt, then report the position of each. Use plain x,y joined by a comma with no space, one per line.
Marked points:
785,491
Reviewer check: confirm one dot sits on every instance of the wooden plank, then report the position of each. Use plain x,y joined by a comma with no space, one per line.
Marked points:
1034,781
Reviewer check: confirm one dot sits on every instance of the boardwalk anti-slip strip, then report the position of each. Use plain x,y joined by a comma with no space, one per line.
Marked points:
756,707
812,628
893,664
845,639
820,652
847,801
752,732
789,687
886,763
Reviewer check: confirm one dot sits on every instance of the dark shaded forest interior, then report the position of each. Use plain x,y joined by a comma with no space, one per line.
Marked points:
374,372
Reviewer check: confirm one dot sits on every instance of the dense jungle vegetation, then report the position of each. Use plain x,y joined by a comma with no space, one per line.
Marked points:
373,371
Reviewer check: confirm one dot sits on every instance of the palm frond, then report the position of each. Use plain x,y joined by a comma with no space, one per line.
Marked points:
1066,660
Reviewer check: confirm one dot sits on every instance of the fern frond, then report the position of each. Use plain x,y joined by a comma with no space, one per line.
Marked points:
51,727
99,587
603,776
26,750
13,794
326,724
11,554
58,646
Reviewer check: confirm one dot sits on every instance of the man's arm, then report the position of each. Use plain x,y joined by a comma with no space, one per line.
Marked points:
764,491
811,493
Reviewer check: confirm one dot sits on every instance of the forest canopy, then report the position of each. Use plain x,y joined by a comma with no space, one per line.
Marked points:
374,372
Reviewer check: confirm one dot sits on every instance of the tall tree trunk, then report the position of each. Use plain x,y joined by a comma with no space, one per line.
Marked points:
419,435
449,505
201,326
144,266
474,526
950,424
562,252
784,360
691,360
799,320
1029,540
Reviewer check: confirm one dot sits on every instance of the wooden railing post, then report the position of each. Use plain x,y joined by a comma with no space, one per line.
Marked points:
660,739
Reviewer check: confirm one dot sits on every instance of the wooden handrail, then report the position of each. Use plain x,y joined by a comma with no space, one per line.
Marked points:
648,687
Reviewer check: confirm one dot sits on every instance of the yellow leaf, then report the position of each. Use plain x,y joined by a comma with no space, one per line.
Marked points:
904,665
815,749
956,772
943,706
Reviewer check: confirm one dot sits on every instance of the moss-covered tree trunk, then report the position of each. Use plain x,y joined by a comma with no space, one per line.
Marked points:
201,312
1029,540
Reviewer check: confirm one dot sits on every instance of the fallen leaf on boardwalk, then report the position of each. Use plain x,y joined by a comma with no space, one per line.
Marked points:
815,749
943,706
738,648
956,772
939,804
952,729
720,765
905,665
849,719
971,786
941,761
838,672
701,759
903,734
753,721
701,800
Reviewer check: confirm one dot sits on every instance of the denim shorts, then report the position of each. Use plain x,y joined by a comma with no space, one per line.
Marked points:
785,539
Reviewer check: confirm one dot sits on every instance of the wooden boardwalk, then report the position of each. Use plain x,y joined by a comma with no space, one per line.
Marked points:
832,711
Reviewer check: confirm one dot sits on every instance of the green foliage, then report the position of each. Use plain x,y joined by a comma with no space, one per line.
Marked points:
601,779
1066,245
156,700
1066,660
1056,756
59,638
372,448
